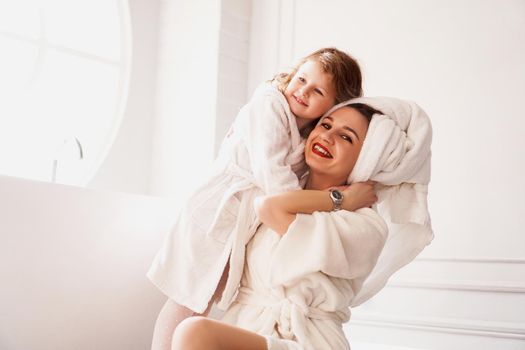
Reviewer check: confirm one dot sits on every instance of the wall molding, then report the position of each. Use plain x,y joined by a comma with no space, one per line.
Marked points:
491,260
442,325
490,274
465,286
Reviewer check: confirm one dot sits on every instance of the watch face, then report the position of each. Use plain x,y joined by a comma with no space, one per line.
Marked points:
337,195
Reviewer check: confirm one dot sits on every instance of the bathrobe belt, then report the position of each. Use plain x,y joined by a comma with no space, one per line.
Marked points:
246,181
288,314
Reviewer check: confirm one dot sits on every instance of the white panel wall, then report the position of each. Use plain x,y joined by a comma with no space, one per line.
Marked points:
462,61
234,35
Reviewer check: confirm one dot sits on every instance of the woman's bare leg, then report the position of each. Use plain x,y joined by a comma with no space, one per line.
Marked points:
172,314
200,333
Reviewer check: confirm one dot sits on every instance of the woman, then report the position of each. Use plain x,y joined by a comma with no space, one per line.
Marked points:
309,262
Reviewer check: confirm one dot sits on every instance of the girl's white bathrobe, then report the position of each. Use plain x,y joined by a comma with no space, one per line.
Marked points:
262,154
297,290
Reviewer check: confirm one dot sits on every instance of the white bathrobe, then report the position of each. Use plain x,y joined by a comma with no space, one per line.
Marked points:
262,154
296,290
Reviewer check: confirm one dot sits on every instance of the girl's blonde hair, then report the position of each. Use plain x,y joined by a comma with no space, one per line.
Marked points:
343,68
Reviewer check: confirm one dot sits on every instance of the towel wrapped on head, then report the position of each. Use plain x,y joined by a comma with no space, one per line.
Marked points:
396,154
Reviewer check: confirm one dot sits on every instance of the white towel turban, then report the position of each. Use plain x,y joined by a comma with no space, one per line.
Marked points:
396,154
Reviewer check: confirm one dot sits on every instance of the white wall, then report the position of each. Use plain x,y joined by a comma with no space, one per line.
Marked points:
186,99
188,81
201,85
127,167
462,61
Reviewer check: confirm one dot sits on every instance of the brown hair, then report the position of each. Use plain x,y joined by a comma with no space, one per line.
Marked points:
365,110
343,68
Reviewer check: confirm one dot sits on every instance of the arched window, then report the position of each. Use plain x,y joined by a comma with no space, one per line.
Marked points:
64,70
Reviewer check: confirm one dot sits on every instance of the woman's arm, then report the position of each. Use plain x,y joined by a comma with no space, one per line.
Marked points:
279,211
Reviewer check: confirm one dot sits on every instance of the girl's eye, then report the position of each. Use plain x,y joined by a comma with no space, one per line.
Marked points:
319,92
347,138
326,126
301,79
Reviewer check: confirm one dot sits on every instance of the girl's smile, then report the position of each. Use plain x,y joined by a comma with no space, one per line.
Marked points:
300,101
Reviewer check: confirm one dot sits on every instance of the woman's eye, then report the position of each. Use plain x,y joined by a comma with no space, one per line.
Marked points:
326,126
301,79
347,138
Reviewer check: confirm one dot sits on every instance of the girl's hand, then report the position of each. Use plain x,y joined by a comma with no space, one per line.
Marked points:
359,195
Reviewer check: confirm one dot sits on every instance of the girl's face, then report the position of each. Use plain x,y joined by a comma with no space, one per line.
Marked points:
334,145
310,93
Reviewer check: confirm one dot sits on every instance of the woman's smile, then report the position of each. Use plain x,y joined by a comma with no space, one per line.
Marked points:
321,150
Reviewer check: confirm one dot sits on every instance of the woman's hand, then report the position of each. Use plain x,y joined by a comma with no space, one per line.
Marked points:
358,195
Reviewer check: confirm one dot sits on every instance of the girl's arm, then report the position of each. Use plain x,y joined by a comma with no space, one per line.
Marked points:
267,134
279,211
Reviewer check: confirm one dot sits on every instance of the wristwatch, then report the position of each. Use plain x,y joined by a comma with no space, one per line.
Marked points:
337,198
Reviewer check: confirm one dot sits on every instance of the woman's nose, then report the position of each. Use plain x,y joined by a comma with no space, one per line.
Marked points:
328,136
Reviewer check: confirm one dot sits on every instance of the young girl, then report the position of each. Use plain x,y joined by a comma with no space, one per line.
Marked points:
261,155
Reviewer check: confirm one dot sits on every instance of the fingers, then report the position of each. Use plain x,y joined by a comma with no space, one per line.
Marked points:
340,188
369,182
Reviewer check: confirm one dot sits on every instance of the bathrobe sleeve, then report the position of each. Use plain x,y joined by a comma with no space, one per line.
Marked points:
271,144
341,244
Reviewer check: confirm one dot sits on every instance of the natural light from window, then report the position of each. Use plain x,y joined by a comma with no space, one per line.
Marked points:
64,68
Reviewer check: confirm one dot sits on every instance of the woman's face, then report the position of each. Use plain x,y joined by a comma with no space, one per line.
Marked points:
334,145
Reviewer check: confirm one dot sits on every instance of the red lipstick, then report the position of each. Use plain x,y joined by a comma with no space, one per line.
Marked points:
321,150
